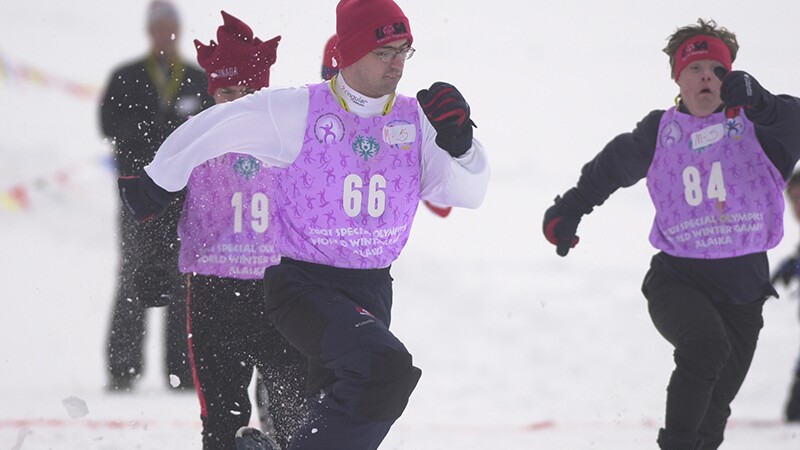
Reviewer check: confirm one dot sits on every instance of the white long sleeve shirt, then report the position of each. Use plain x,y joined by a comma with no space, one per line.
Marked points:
270,125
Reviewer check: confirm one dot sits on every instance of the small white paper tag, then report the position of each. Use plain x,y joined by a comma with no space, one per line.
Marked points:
707,136
399,134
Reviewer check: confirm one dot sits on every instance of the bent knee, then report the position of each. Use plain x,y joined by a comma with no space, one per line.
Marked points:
704,358
392,379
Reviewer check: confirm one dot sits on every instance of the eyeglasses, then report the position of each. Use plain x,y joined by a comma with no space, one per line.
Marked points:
388,55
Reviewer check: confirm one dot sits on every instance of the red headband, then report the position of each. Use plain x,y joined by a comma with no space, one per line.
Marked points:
701,47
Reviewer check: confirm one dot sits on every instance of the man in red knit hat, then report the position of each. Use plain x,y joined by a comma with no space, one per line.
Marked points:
330,67
353,159
224,258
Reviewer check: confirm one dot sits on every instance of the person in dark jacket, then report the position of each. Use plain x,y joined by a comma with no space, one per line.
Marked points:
788,270
716,165
143,103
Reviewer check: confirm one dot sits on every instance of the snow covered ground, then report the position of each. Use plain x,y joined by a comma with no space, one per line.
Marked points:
520,349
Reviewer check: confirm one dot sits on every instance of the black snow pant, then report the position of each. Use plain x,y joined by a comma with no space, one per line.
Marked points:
714,344
230,335
792,408
148,277
340,319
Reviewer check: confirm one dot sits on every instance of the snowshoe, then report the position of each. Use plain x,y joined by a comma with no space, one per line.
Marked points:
248,438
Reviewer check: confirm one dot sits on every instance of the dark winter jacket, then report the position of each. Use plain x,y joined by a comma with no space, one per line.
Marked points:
626,159
137,119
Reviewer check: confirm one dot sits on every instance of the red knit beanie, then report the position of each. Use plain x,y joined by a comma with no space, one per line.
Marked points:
364,25
701,47
239,58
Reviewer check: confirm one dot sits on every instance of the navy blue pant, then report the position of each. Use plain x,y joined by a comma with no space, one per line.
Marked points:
714,343
340,318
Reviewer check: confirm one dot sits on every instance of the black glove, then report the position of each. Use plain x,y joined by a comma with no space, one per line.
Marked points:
448,112
561,220
740,89
142,197
790,268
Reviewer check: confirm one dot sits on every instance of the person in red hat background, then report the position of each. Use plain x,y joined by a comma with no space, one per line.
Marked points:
716,165
143,102
227,240
330,67
353,159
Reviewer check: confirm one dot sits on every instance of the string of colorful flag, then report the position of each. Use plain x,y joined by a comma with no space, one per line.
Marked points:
55,185
19,72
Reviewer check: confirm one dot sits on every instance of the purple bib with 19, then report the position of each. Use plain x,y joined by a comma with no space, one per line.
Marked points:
226,227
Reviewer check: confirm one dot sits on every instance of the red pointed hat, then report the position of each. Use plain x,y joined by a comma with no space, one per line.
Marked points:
239,59
364,25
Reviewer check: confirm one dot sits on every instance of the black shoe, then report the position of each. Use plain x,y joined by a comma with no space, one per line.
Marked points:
248,438
793,405
676,440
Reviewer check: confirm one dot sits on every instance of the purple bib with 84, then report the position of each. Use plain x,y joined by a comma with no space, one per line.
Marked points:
716,193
